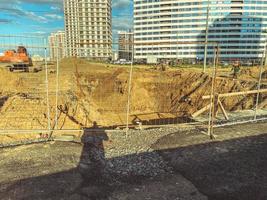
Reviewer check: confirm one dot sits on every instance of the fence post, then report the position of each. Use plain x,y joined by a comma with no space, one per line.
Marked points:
57,86
47,89
129,90
206,37
259,82
213,94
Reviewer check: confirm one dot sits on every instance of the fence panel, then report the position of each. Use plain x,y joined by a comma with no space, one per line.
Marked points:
24,102
169,90
91,93
75,93
239,95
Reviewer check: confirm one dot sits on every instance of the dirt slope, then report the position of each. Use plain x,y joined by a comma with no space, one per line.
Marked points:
91,92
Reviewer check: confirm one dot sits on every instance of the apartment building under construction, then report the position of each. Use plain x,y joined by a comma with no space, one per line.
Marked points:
125,45
57,45
88,28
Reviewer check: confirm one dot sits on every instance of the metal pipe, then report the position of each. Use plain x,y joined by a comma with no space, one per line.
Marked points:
212,100
211,94
36,131
206,37
129,91
134,43
259,84
20,36
241,122
57,88
47,91
13,132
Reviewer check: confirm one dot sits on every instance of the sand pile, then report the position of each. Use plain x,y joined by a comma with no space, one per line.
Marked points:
94,92
103,97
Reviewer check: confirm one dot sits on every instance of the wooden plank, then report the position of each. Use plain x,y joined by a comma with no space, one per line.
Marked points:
223,110
202,110
237,93
64,138
216,109
262,104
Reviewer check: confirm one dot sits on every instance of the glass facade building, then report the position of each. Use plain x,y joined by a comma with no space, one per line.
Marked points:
125,45
239,26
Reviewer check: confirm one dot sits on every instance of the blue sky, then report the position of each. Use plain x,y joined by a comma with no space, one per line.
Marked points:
45,16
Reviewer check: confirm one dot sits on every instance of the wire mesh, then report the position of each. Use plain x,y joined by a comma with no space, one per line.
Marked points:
24,102
170,89
91,93
74,93
239,95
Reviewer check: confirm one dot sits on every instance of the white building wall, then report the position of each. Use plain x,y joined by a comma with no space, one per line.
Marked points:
238,26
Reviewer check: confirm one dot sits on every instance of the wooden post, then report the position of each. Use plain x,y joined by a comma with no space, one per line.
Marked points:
223,110
216,105
212,110
237,93
202,110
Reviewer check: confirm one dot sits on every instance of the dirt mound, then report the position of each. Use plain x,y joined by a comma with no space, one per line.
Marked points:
10,82
95,92
264,75
252,73
179,92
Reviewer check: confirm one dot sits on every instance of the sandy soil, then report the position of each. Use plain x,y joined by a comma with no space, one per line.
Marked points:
95,92
99,93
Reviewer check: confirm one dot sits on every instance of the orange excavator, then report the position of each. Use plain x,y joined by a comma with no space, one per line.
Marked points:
17,60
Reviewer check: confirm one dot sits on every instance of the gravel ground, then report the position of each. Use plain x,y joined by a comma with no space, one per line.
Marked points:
57,170
231,167
133,153
166,163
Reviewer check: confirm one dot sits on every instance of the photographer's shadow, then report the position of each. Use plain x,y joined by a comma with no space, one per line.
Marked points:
93,162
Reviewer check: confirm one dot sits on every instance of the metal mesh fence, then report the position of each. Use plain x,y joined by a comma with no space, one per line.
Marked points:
24,82
91,93
170,89
238,95
75,93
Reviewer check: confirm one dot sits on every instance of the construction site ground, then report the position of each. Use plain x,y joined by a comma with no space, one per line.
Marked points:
170,163
96,92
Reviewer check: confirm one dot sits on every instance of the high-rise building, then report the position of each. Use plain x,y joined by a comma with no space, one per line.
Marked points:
88,28
125,45
57,45
238,26
71,26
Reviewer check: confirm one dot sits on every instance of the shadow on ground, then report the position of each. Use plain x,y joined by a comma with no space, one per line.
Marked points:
227,170
232,169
